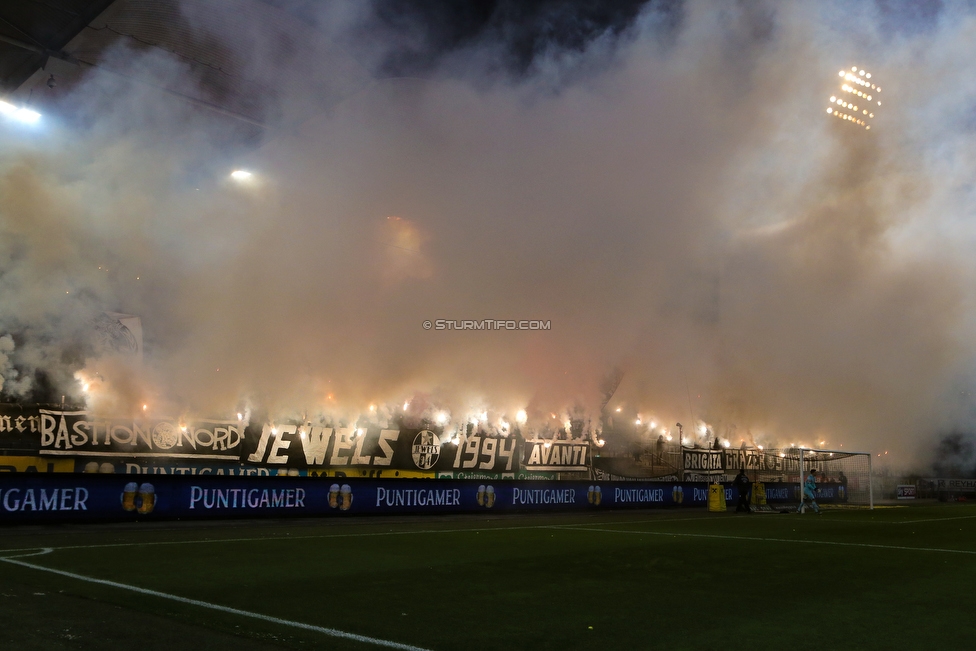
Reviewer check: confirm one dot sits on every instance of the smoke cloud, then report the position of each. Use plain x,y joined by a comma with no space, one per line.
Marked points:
661,185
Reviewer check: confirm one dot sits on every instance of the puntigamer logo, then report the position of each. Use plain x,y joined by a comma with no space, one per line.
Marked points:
41,499
426,450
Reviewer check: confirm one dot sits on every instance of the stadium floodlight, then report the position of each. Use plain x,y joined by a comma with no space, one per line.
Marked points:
855,103
241,175
21,114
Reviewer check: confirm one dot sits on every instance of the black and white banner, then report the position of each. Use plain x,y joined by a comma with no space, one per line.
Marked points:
78,433
706,462
568,456
338,448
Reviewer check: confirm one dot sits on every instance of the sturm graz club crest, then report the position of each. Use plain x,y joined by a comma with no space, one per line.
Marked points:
426,449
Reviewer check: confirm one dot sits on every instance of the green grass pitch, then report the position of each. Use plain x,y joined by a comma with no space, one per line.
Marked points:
892,578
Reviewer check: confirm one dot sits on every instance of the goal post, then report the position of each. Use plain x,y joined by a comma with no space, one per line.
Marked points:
843,477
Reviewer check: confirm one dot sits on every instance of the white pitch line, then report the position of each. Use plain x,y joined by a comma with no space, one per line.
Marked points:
959,517
205,541
756,539
367,534
362,534
331,632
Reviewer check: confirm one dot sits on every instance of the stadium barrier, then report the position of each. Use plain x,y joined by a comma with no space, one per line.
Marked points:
66,497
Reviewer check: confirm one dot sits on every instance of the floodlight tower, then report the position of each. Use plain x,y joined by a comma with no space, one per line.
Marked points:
858,100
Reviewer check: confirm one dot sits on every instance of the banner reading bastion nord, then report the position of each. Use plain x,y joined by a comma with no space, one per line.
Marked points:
79,434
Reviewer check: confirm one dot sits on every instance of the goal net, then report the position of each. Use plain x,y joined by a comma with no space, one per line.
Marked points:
843,478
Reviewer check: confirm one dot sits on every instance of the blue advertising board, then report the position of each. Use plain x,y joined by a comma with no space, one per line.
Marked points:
66,497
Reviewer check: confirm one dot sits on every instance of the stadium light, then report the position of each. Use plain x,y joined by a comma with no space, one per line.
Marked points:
241,175
854,102
21,114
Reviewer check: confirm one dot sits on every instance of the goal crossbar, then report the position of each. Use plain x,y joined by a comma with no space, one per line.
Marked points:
824,456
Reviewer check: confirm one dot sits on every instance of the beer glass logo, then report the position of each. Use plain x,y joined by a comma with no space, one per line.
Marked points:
129,496
340,497
678,494
165,436
594,495
146,499
486,496
426,449
139,498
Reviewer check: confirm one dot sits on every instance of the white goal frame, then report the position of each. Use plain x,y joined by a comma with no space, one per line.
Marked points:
818,451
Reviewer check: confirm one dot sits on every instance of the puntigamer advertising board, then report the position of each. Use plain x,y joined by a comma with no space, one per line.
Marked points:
66,497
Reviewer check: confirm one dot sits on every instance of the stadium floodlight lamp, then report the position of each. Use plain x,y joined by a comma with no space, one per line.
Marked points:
21,114
241,175
856,87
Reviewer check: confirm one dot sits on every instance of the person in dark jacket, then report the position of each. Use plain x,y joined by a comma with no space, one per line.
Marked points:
742,483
